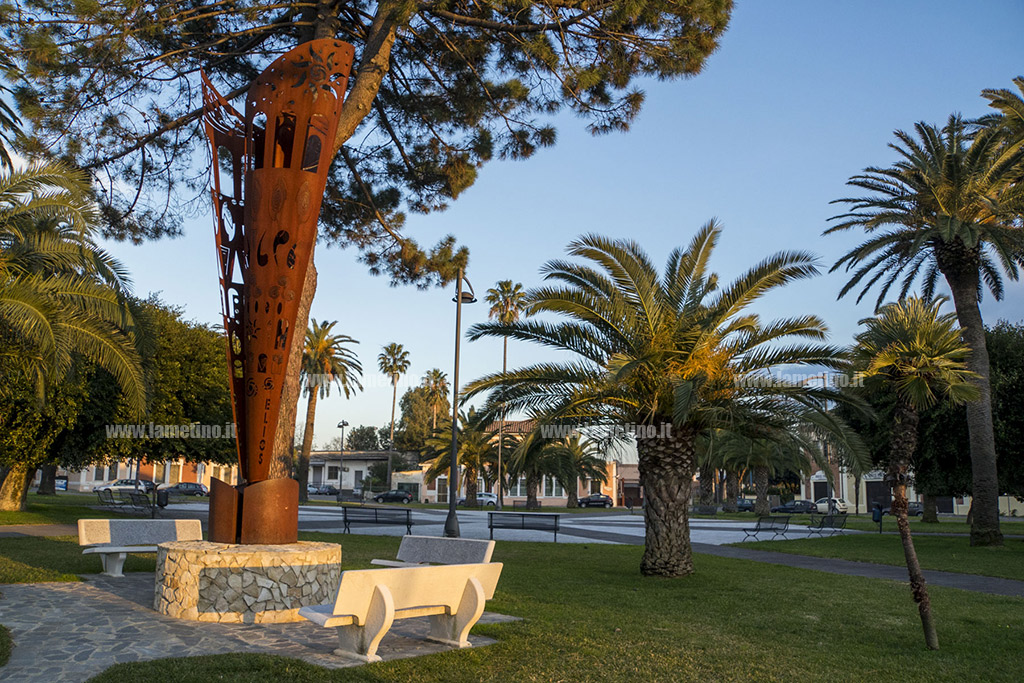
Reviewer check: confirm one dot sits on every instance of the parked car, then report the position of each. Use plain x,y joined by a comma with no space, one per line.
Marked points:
311,489
127,485
394,496
840,505
597,500
187,488
914,509
796,507
327,490
482,498
745,505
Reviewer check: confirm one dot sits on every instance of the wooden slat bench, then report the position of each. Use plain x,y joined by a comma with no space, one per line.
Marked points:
378,516
534,521
833,524
776,525
113,539
369,601
418,550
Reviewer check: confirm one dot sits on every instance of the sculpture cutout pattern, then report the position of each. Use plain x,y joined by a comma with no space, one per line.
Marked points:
269,176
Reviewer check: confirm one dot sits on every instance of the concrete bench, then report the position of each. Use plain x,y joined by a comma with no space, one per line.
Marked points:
419,550
776,525
113,539
369,601
537,521
380,516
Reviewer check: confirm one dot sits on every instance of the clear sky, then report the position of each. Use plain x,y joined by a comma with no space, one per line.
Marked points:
800,96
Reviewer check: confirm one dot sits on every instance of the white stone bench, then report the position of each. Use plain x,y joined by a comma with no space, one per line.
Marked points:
113,539
369,600
417,550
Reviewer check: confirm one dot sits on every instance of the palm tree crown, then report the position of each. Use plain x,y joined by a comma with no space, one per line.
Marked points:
436,384
507,300
327,359
393,361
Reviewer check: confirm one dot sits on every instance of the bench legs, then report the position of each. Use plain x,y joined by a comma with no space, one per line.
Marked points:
113,563
360,642
453,629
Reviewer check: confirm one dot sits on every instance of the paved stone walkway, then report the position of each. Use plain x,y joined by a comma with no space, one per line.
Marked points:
70,632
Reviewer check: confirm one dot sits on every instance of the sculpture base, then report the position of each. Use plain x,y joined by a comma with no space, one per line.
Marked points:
244,584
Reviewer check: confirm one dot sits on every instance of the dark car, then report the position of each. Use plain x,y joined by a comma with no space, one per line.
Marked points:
394,496
187,488
797,507
913,509
328,490
745,505
596,500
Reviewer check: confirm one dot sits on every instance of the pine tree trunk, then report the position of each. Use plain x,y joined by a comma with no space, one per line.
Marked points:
761,505
307,445
931,509
14,491
984,478
48,480
732,491
667,467
902,447
291,390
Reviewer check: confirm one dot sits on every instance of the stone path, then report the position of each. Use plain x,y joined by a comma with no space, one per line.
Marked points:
19,530
70,632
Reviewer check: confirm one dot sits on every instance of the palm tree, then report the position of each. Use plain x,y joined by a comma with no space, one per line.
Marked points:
61,296
673,353
508,302
530,459
572,459
951,206
436,384
393,361
765,458
325,361
1010,106
913,350
475,454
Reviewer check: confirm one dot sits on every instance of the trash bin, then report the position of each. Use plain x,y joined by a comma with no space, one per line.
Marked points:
163,497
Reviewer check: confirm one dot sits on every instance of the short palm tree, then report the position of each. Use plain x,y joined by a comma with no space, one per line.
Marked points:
674,352
531,460
573,459
436,384
508,303
393,361
476,451
792,452
916,352
325,361
952,205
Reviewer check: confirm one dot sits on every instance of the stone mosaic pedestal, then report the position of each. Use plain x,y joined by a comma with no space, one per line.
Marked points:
204,581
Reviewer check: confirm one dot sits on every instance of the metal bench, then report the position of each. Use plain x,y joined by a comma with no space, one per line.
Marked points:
533,521
369,600
113,539
832,524
524,505
378,516
776,525
708,510
107,499
417,550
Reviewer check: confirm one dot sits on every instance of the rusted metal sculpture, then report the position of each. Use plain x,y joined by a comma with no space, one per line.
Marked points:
278,156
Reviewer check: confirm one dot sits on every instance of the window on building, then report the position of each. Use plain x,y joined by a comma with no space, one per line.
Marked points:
552,489
175,473
442,489
159,472
595,486
111,472
518,488
333,472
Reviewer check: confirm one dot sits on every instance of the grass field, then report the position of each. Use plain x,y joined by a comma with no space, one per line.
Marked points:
944,553
589,616
64,508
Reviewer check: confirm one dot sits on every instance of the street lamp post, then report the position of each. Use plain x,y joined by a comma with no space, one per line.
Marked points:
341,458
451,524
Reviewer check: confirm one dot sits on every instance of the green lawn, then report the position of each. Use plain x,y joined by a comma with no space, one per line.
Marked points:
589,616
64,508
945,553
31,559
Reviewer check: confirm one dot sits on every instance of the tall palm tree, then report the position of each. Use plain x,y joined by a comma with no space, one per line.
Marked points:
916,352
672,352
508,302
325,361
950,206
393,361
1010,108
475,454
60,295
573,459
436,384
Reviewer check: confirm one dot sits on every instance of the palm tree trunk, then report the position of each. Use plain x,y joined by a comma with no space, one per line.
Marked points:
667,467
707,488
501,426
984,477
14,491
470,475
761,506
904,443
573,500
307,445
391,438
732,491
532,484
931,509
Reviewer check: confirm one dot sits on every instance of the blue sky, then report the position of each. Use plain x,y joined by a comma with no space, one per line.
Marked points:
800,96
